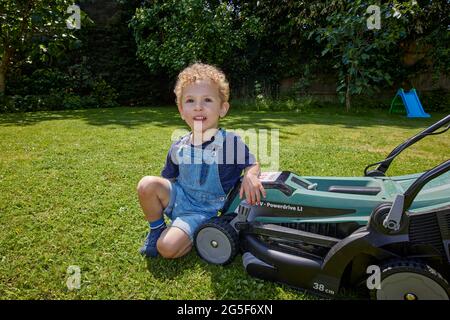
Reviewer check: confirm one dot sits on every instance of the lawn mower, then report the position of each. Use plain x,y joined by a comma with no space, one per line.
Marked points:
387,235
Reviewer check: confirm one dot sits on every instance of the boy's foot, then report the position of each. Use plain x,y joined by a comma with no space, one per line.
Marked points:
149,248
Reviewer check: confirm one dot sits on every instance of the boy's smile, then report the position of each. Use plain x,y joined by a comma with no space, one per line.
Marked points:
201,107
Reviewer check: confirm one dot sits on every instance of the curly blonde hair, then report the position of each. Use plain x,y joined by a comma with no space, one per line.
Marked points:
201,71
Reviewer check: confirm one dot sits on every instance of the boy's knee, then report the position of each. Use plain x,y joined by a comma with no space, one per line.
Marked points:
147,185
170,249
166,248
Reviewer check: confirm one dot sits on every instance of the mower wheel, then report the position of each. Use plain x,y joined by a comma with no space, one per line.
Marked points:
410,280
216,241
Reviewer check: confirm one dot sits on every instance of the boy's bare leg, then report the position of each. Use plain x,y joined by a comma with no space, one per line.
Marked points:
154,194
174,243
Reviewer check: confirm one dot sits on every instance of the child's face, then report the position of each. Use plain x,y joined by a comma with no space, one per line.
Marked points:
201,105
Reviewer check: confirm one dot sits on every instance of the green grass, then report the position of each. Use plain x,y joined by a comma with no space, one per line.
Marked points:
68,195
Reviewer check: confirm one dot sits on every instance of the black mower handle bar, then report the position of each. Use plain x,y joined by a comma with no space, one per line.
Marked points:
415,188
402,202
383,166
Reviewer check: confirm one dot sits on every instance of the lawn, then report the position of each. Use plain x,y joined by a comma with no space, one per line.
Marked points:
68,195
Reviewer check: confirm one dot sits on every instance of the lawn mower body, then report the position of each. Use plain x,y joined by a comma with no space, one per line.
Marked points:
310,238
325,233
348,201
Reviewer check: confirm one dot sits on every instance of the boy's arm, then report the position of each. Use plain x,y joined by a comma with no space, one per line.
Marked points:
171,169
251,185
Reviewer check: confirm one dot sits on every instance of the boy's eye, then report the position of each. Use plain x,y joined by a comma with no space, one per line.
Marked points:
189,100
208,100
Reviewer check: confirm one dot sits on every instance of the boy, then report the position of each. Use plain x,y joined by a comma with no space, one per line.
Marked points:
200,169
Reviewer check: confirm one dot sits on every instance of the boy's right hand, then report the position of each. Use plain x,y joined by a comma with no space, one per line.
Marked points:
252,187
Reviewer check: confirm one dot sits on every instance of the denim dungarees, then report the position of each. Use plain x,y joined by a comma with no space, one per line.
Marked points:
197,194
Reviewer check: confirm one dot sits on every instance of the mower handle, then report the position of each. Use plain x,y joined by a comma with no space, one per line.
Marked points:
417,185
383,166
404,201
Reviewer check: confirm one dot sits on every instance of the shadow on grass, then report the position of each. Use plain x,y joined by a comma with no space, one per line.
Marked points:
168,269
126,117
228,282
134,117
232,282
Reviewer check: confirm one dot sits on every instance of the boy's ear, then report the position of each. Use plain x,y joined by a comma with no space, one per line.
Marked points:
224,109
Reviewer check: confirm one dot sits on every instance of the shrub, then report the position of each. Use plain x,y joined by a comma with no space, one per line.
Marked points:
436,100
52,89
105,95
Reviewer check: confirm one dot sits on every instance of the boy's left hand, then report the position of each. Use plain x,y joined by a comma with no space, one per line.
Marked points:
252,188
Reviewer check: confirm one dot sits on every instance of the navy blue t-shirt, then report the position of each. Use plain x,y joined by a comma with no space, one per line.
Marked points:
229,171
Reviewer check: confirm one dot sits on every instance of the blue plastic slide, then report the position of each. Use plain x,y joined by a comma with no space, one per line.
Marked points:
410,101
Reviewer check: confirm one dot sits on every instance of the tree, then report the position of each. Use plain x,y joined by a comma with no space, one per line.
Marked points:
170,34
30,29
368,58
302,39
356,52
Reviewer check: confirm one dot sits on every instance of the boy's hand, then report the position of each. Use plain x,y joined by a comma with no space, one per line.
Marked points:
251,185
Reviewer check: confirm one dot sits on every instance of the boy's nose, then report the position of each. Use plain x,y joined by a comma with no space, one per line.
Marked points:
198,106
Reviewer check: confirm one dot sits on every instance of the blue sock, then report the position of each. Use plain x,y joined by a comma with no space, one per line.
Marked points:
157,224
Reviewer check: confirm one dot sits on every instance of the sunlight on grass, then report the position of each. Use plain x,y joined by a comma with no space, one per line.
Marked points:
68,196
